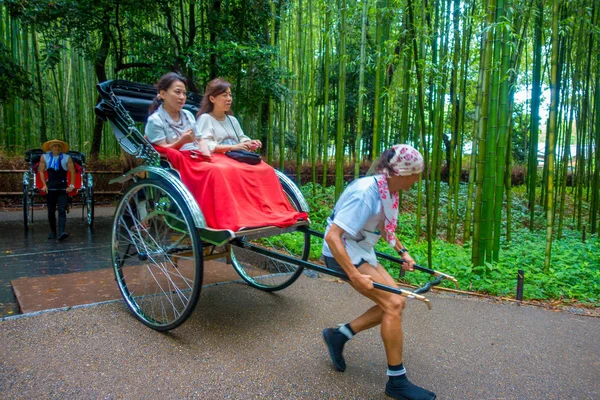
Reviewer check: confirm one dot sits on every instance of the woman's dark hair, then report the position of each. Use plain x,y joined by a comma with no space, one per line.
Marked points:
164,83
382,162
213,88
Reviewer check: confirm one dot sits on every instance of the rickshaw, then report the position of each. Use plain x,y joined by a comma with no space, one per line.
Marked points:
160,242
32,185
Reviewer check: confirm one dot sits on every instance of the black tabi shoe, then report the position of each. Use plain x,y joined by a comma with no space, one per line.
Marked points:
51,236
63,236
335,341
399,387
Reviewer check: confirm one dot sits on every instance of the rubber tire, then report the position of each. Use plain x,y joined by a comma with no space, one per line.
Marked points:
89,204
25,204
292,278
118,264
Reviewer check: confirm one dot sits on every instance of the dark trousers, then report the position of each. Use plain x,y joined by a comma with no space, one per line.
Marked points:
58,198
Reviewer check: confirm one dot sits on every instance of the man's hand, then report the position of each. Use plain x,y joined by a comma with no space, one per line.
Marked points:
362,283
409,262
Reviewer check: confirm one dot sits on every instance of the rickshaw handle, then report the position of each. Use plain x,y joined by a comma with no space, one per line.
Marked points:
425,288
301,263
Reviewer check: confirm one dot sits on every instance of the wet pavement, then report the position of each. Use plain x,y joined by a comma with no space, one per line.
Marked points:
31,254
242,343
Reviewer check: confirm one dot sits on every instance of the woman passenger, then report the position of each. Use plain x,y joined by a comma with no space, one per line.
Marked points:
169,125
232,195
217,125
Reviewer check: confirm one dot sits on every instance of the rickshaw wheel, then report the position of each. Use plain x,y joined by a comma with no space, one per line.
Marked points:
157,255
89,204
266,273
26,206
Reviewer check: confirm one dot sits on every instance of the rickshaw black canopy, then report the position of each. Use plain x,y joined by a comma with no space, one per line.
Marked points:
136,99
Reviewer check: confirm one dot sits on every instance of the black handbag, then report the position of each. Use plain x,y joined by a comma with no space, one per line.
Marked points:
244,156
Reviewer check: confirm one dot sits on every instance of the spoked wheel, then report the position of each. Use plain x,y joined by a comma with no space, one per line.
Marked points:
88,200
157,255
89,205
26,205
267,273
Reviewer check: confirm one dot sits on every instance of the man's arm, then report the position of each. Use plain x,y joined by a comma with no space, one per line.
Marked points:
41,170
361,282
71,168
409,265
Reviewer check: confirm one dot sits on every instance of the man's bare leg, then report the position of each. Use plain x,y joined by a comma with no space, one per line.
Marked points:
388,313
370,319
391,330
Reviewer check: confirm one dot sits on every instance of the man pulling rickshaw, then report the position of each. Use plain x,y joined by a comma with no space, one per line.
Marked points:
56,163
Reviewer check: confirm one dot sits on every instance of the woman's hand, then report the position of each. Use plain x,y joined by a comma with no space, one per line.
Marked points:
44,189
250,145
241,146
188,137
255,144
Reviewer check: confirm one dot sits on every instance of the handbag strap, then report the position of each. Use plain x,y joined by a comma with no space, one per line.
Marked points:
234,131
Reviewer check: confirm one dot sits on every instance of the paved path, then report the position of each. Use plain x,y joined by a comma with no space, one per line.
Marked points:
242,343
31,254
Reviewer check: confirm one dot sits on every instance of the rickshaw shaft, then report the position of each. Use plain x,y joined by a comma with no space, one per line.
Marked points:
324,270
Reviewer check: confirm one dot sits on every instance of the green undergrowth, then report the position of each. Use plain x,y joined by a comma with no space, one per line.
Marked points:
574,274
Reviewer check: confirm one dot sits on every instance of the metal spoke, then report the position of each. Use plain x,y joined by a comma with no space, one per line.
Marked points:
160,289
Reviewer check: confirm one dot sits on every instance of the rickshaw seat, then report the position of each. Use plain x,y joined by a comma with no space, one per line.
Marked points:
125,103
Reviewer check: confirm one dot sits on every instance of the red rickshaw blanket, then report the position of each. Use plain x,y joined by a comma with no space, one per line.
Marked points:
234,195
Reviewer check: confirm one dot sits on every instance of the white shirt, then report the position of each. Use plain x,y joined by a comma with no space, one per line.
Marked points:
217,132
159,128
64,162
359,213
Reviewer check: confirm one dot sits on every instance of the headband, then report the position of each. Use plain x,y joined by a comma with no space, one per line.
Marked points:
406,160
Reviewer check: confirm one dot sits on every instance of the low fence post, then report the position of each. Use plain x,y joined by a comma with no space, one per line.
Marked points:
520,278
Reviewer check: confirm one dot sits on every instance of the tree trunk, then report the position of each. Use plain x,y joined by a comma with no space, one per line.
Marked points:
100,70
536,91
339,141
38,76
361,90
552,123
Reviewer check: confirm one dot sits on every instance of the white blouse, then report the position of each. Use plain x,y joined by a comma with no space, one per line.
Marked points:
215,132
161,128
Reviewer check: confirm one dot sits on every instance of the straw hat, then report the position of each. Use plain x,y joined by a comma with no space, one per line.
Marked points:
64,146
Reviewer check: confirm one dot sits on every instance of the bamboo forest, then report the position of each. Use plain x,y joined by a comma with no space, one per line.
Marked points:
501,97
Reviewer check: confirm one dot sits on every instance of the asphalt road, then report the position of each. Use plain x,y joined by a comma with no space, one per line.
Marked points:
242,343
